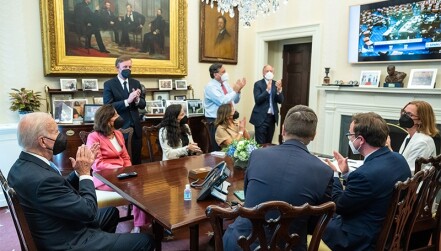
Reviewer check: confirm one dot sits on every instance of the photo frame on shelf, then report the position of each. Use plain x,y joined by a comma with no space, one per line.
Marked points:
195,107
64,54
165,84
152,104
98,100
78,108
422,78
179,102
157,111
180,97
181,84
89,112
370,78
162,96
63,111
90,84
68,84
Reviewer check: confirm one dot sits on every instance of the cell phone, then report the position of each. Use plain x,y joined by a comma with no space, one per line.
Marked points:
126,175
240,195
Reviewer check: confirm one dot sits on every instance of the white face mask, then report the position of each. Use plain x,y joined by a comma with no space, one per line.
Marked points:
224,77
351,145
269,76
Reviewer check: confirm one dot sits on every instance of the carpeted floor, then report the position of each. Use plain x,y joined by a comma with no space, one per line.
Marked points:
177,242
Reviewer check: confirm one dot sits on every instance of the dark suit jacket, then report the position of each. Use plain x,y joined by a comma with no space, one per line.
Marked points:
362,206
138,19
221,36
286,172
114,94
83,17
261,106
60,211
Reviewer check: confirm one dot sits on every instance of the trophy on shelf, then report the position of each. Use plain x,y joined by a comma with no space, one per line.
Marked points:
326,79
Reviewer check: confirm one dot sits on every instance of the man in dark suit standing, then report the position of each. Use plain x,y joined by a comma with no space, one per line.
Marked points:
362,205
286,172
62,213
132,21
109,21
126,96
267,94
87,23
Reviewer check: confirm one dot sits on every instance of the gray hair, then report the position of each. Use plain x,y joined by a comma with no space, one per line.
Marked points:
30,127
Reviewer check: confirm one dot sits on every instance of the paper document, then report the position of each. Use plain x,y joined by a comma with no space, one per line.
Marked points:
218,153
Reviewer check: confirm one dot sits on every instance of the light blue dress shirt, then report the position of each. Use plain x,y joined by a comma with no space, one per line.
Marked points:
215,97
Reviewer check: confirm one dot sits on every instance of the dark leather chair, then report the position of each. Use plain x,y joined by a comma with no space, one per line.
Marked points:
405,204
151,133
426,231
18,216
207,144
279,226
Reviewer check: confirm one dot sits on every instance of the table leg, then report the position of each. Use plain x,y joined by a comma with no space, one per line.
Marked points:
158,234
194,237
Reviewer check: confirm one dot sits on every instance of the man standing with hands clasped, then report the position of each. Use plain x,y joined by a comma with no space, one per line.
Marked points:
124,93
267,94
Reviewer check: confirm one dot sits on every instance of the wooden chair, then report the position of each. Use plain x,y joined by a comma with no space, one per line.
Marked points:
151,133
403,211
279,226
111,198
428,223
18,216
207,137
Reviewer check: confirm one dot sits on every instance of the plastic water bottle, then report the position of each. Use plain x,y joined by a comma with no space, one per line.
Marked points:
187,192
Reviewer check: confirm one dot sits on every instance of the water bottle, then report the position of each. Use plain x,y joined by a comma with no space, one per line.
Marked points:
187,192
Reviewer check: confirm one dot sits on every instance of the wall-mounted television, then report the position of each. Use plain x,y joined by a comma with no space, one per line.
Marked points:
395,30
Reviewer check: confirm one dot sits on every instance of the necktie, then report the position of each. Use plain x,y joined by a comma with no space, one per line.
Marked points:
224,89
126,90
271,110
54,167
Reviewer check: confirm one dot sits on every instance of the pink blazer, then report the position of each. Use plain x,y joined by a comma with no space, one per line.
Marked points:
108,157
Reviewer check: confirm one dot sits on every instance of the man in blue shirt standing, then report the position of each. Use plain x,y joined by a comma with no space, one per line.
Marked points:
217,92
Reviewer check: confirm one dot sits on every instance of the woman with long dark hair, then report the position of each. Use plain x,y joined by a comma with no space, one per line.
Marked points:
175,135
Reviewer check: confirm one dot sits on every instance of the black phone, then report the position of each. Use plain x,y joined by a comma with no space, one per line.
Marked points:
126,175
215,177
240,194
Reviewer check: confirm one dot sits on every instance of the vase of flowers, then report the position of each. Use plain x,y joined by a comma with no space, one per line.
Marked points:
240,151
24,101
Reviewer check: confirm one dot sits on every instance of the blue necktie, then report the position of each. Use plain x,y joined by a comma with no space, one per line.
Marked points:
271,100
54,167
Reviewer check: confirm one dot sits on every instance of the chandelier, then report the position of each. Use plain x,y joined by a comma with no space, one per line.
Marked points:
248,9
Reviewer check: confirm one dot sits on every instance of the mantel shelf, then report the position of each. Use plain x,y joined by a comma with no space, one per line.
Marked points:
436,91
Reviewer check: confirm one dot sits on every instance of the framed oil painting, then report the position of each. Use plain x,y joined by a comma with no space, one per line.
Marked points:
152,32
422,78
218,41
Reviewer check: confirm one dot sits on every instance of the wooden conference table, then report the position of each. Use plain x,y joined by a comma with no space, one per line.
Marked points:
159,191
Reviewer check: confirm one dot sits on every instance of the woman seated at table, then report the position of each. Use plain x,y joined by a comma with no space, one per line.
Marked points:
175,135
418,118
112,152
227,128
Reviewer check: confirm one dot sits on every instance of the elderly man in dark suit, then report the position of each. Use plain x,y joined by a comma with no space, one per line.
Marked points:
62,212
267,94
109,21
362,205
132,21
124,93
286,172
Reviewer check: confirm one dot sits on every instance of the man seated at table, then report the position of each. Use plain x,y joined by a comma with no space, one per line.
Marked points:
362,205
286,172
62,213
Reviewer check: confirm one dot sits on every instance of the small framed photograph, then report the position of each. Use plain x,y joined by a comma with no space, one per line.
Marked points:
90,84
89,113
422,78
63,111
152,104
163,96
68,84
370,78
180,97
157,110
181,84
98,100
179,102
165,84
195,107
78,108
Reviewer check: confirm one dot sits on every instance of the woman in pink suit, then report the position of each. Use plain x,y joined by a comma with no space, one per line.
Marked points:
112,153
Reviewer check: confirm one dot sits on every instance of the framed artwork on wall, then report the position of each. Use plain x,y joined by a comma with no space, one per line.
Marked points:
165,84
65,50
218,41
422,78
181,84
370,78
90,84
68,84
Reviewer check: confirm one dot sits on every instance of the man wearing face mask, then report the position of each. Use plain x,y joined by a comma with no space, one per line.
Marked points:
362,206
267,94
218,92
124,93
418,118
62,212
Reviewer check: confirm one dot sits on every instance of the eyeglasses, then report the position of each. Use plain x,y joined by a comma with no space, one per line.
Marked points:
408,114
349,135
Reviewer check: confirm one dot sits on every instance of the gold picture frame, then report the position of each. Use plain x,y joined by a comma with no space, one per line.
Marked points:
216,45
57,62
